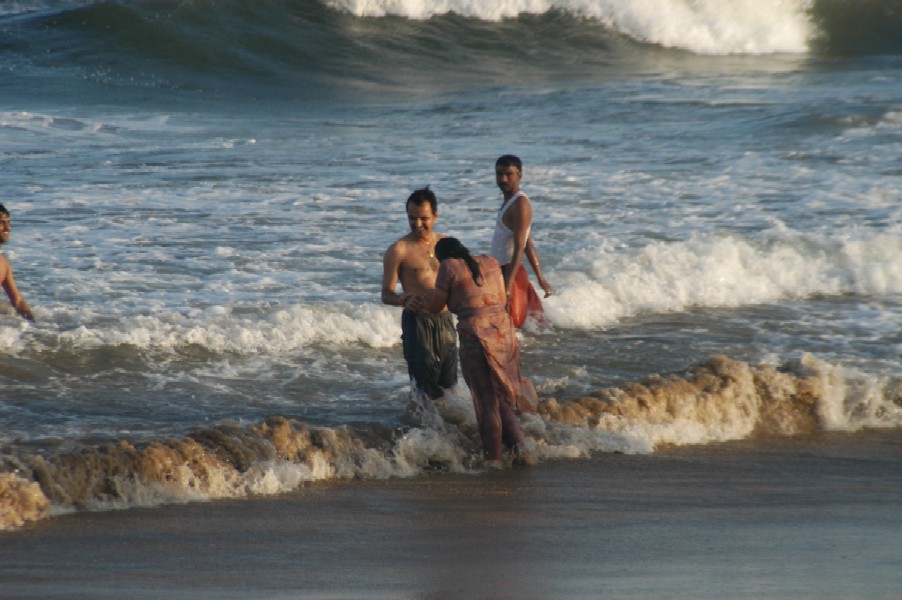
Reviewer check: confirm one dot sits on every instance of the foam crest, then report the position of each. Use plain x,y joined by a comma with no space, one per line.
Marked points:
21,501
853,400
723,399
711,26
712,271
702,26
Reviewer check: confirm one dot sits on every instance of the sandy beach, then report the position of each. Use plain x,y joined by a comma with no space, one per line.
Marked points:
819,517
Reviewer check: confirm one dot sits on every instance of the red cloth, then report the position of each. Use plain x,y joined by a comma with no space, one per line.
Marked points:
524,301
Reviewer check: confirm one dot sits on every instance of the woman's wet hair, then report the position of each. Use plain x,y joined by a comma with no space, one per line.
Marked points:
450,247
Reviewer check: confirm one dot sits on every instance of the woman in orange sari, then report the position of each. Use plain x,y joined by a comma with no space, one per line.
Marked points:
473,289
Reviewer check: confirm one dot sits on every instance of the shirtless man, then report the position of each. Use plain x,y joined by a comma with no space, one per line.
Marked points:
6,271
512,240
429,339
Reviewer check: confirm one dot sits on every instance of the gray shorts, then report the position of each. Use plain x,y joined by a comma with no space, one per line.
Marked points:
430,349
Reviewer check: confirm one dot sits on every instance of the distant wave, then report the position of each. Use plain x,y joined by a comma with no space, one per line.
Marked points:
406,42
718,400
708,27
857,27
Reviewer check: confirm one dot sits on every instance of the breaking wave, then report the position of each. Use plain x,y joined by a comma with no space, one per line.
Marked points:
718,400
314,46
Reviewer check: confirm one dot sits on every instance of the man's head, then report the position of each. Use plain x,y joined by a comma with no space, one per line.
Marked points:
422,212
508,173
422,196
509,160
4,224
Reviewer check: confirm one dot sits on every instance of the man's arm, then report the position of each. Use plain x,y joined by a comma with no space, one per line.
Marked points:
9,284
533,257
391,265
520,219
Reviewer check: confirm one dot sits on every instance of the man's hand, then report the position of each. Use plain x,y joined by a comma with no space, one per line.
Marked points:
546,286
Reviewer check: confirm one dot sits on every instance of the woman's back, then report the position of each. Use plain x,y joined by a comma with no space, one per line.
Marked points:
464,296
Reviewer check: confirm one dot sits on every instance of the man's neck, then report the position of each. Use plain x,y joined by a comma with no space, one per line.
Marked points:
429,238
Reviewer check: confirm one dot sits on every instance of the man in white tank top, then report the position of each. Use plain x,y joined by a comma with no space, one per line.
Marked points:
512,240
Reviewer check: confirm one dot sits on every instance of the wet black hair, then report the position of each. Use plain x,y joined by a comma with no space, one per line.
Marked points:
3,210
450,247
421,196
509,160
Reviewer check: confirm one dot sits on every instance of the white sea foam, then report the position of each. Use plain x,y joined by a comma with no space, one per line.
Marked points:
703,26
597,287
722,271
220,330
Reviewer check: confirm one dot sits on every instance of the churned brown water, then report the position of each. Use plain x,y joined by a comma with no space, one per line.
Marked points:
816,516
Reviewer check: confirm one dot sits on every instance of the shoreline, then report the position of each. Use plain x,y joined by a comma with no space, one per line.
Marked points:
814,517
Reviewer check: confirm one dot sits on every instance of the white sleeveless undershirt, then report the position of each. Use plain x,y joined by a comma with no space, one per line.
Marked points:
503,238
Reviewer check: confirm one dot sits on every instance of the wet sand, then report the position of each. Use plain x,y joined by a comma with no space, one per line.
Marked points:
778,519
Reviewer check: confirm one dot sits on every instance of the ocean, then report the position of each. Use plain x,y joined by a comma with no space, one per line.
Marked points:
202,191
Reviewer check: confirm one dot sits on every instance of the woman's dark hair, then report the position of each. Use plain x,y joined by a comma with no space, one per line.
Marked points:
450,247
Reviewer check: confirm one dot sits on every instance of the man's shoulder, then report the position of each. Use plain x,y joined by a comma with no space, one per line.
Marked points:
397,246
517,201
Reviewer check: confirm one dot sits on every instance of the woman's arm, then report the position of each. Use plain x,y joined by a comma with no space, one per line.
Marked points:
433,301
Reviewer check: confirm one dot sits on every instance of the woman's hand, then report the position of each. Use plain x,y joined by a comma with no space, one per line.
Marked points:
413,301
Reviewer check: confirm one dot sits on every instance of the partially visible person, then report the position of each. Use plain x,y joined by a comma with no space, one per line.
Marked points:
512,241
429,341
472,287
6,271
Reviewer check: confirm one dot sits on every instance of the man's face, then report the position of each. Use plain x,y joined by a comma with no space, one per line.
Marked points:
4,228
421,219
508,178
